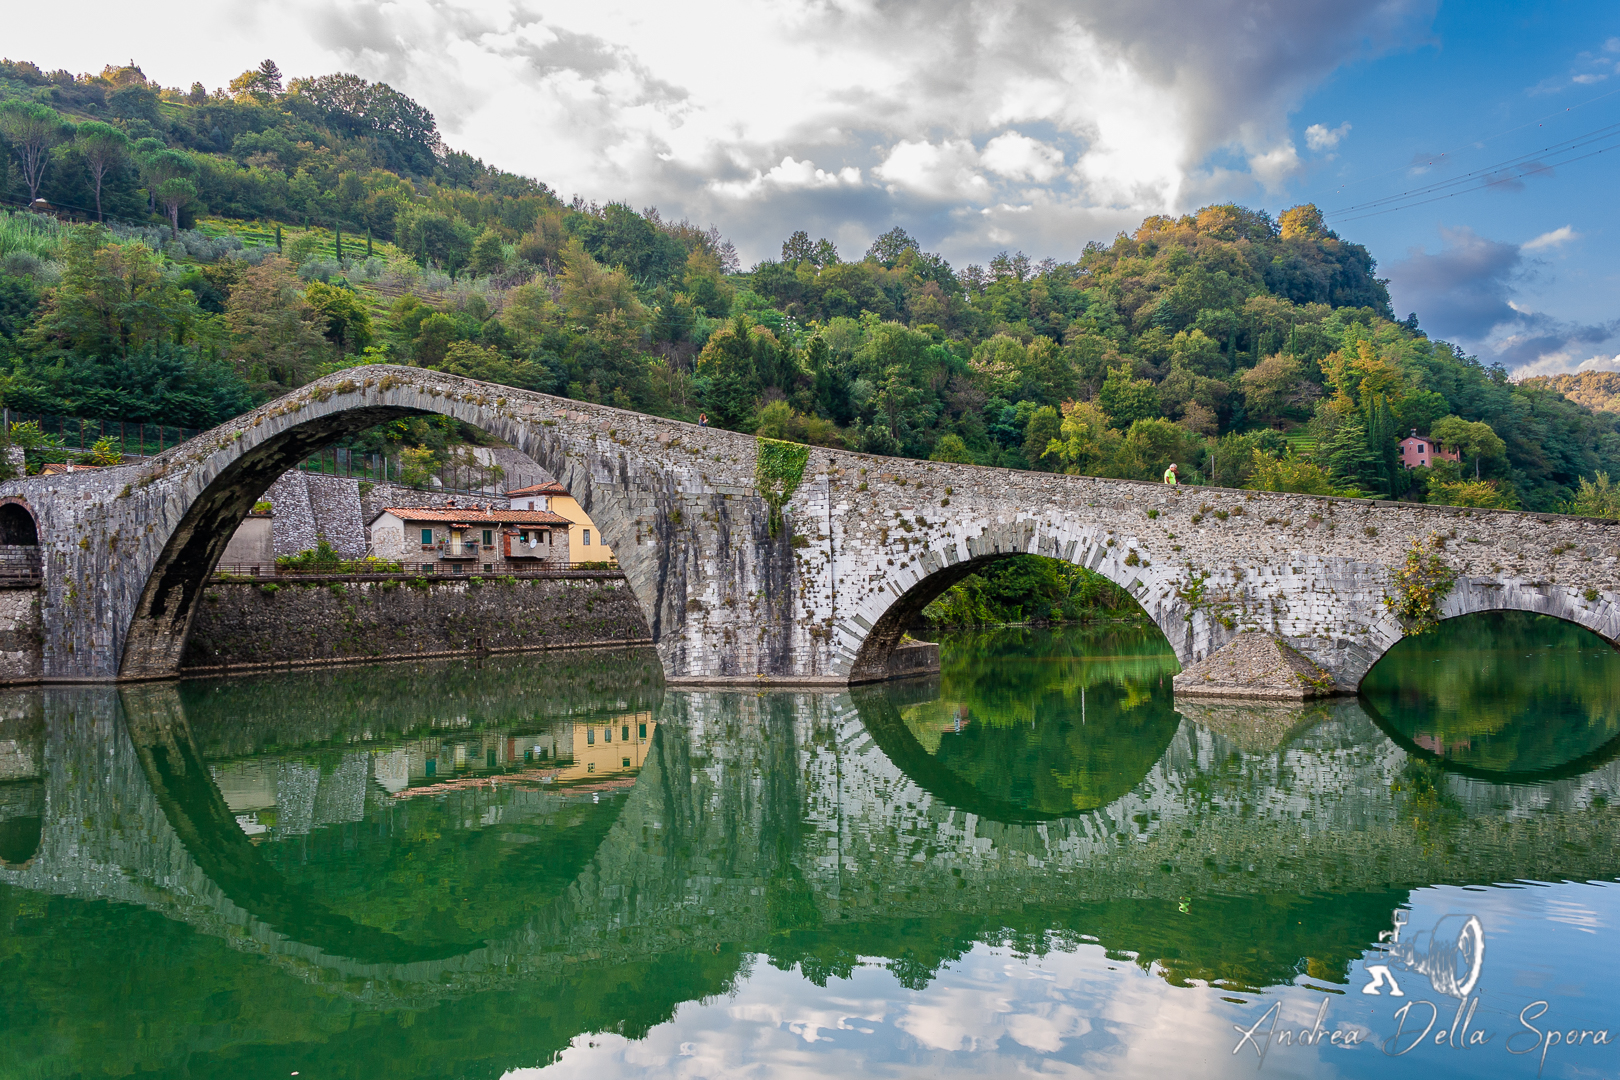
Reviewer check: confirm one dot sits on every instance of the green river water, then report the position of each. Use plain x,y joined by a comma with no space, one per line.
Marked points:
1037,862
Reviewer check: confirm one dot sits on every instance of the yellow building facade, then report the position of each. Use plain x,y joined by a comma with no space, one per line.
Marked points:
584,538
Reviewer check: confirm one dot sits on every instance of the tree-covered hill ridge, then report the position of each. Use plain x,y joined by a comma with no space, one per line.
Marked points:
266,233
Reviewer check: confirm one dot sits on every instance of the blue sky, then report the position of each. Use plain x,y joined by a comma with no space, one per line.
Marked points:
983,125
1524,271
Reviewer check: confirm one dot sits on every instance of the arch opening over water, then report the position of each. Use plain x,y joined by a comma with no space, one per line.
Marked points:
905,611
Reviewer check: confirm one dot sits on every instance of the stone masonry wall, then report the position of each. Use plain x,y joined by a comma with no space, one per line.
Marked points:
21,635
246,625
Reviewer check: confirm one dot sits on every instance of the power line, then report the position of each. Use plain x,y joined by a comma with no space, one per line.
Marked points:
1540,120
1481,187
1562,147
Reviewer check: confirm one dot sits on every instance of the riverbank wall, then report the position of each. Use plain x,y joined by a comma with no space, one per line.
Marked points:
354,618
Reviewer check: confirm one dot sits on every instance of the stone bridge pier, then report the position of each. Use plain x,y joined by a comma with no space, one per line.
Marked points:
820,592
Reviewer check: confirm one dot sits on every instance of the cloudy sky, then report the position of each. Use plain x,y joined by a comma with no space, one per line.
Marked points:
985,126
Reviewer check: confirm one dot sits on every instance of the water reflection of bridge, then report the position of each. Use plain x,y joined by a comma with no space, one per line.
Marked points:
778,823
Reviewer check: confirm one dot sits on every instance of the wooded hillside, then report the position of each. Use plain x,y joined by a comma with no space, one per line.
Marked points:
259,235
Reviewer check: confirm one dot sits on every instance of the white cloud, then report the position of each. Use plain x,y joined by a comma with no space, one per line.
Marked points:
770,117
1019,157
789,174
938,170
1274,166
1320,137
1561,235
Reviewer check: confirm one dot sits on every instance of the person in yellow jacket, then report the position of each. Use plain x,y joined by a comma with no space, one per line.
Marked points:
1170,474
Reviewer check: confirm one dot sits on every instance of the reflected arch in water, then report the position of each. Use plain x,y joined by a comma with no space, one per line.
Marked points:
1045,737
20,838
1501,695
484,885
22,790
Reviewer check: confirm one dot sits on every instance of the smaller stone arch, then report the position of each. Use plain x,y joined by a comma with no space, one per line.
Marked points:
869,642
1595,610
17,525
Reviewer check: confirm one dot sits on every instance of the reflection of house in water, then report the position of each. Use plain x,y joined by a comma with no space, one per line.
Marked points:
291,797
930,721
604,748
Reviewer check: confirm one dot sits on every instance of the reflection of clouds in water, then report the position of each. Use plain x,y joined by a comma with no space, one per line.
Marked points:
988,1014
809,1023
993,1013
958,1017
1573,914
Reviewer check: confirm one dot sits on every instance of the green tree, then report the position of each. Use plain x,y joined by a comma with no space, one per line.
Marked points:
488,253
1597,497
1483,494
1087,442
1472,438
1044,426
32,130
1271,387
951,448
103,148
277,336
433,340
727,362
1272,472
348,319
113,301
174,194
1126,399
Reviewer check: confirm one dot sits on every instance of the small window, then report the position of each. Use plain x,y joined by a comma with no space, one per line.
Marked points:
624,733
489,537
624,762
590,736
643,732
531,504
427,536
587,538
607,734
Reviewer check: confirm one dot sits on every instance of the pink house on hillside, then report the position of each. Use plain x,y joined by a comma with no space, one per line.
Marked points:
1418,450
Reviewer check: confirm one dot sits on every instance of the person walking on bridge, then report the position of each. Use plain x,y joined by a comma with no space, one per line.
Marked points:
1170,475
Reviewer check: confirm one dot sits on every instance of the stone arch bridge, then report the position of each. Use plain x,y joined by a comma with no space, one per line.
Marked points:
822,594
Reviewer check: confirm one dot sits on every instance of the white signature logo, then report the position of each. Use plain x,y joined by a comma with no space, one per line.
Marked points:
1451,955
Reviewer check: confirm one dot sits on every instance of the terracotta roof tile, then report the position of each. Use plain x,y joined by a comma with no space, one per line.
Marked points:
549,488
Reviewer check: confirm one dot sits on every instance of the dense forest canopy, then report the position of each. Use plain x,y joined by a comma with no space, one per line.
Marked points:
195,252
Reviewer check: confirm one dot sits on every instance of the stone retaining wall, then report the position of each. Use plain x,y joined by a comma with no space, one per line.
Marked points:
242,625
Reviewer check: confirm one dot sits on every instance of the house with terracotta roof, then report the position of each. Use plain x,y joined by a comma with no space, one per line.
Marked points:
1420,451
475,539
584,538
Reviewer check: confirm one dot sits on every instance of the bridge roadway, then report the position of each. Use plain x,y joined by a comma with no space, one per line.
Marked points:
756,816
864,544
